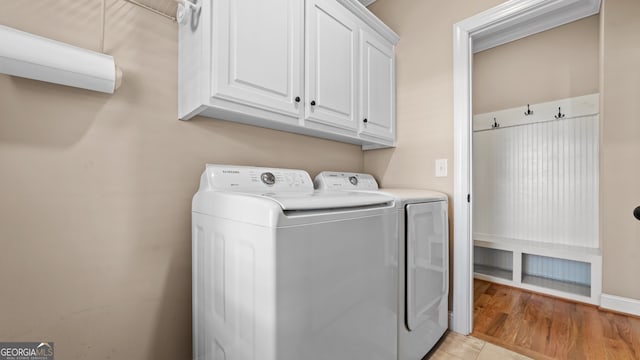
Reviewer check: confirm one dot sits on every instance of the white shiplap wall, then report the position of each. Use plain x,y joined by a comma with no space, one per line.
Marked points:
535,178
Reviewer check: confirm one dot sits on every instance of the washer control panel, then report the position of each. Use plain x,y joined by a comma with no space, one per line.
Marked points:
330,180
248,178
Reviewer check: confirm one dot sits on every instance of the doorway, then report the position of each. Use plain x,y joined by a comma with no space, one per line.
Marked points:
507,22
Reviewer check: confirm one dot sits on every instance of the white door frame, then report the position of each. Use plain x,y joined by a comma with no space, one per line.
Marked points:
507,22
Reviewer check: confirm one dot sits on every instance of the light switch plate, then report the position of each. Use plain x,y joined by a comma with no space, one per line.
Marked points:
441,168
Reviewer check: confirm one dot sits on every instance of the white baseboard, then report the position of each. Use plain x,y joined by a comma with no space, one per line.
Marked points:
620,304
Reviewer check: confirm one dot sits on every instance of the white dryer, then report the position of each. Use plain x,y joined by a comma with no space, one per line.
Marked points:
423,235
281,272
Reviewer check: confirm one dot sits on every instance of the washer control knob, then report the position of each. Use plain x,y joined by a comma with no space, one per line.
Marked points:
353,180
268,178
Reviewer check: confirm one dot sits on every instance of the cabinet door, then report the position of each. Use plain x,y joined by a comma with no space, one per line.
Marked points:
331,63
258,54
377,91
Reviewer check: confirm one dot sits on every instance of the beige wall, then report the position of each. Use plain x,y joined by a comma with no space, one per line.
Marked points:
95,194
620,151
424,91
555,64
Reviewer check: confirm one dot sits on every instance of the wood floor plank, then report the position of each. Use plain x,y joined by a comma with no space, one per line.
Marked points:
531,322
544,327
479,288
615,347
492,288
501,304
559,332
489,311
480,304
511,327
593,345
634,324
496,324
625,332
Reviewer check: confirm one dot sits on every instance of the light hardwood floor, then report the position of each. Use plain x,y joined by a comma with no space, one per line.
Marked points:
544,327
454,346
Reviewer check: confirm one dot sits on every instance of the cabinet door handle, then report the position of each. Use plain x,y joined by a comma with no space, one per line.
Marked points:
636,212
365,121
313,103
297,99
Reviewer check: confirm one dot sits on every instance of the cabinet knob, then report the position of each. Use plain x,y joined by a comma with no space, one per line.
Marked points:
313,103
297,99
365,121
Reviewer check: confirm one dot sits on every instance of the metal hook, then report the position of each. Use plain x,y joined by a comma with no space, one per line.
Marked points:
495,124
560,114
528,112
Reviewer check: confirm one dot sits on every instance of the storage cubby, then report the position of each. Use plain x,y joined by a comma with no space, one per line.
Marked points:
559,274
570,272
493,262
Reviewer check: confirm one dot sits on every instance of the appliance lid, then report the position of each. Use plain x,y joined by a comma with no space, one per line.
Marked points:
322,200
414,195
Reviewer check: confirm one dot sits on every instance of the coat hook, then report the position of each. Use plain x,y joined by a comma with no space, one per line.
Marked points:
495,124
528,112
560,115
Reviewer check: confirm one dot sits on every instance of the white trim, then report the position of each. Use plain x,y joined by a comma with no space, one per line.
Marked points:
367,2
517,248
620,304
370,19
580,253
529,17
574,107
462,249
506,22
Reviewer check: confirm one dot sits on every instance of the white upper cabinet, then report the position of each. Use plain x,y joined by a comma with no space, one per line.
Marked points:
314,67
377,89
331,65
258,54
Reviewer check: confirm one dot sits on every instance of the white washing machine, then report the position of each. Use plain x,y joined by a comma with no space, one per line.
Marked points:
281,272
423,262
